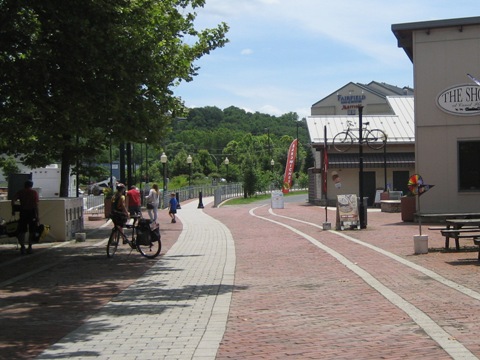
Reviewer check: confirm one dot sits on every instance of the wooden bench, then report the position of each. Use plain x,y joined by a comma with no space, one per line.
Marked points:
463,233
444,227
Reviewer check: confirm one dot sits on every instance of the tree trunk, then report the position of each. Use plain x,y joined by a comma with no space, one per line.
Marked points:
65,172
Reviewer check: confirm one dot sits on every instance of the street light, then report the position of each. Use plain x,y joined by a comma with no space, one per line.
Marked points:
272,163
226,164
189,162
164,159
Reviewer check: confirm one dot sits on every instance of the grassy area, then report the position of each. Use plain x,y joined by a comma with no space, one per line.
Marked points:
243,201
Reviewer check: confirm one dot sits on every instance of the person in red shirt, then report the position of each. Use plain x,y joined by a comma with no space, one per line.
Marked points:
29,218
134,201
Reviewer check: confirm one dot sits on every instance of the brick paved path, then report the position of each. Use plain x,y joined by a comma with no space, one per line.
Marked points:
294,300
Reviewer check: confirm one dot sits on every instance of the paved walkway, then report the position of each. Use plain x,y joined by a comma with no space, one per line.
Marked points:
177,310
249,282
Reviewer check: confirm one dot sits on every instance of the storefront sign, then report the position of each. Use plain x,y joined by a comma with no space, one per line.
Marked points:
462,100
351,99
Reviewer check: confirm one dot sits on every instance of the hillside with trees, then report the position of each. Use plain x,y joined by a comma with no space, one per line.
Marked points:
250,141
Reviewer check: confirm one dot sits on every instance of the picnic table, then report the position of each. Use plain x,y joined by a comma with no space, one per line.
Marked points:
461,228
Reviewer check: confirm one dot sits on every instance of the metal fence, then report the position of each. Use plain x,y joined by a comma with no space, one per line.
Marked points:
219,192
94,205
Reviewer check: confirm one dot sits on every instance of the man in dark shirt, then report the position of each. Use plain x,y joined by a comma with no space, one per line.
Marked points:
29,219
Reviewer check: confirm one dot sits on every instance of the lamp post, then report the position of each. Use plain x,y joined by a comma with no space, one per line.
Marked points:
163,160
268,138
189,162
146,162
111,159
272,164
226,164
363,206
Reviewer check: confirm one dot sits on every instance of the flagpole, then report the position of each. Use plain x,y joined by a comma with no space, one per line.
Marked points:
325,180
419,215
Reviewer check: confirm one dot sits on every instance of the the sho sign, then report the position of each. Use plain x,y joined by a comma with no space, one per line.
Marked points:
463,100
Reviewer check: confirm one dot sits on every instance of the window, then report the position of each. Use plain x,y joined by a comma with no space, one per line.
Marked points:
468,166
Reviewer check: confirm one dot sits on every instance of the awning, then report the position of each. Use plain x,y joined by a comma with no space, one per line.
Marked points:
371,160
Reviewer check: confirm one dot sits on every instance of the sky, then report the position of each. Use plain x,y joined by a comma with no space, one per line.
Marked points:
285,55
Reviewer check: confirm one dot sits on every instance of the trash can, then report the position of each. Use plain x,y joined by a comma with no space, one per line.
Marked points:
277,200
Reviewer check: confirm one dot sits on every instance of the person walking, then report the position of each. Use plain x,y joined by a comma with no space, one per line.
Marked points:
152,202
172,207
29,219
134,201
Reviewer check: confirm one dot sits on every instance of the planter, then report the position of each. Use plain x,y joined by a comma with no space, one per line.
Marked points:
420,244
107,207
408,208
385,196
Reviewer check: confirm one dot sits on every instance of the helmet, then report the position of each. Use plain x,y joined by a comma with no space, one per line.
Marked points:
120,186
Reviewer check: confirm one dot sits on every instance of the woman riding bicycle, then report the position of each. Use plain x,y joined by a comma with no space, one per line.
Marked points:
119,213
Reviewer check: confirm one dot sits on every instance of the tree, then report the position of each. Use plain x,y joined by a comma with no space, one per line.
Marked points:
250,180
77,75
9,166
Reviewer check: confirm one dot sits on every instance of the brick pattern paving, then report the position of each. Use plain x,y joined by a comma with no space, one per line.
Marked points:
291,299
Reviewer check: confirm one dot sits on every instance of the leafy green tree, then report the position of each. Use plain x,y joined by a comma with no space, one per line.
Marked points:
77,75
250,180
205,160
8,166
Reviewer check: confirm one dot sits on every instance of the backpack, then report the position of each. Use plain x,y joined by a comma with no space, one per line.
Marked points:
145,234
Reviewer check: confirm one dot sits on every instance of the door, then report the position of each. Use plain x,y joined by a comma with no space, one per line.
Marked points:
400,181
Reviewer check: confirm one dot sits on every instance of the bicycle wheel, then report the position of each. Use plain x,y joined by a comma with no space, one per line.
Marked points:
342,141
150,249
113,242
376,139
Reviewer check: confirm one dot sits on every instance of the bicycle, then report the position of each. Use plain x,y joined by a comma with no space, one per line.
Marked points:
145,240
375,138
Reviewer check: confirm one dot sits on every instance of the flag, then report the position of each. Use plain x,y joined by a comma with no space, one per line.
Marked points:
289,167
423,188
474,79
416,186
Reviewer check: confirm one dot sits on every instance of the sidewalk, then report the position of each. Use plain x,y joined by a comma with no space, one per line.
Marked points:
177,310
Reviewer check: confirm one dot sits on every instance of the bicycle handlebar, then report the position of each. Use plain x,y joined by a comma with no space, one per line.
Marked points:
350,123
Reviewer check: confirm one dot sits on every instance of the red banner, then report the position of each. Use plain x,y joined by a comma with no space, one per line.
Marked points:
290,167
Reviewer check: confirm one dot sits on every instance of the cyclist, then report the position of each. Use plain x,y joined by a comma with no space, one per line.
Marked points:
119,213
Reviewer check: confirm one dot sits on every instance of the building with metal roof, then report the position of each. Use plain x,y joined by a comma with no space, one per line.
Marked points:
347,99
386,168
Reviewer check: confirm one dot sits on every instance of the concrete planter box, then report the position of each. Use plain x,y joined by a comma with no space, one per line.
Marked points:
408,208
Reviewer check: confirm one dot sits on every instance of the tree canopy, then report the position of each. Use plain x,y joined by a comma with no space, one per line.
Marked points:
76,75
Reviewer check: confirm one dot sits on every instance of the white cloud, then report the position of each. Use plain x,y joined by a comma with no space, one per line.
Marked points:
304,50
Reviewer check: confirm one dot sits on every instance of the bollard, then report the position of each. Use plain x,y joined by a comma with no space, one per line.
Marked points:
200,203
178,201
